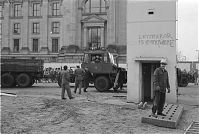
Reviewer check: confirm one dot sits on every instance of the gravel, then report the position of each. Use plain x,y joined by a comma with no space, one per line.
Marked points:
91,112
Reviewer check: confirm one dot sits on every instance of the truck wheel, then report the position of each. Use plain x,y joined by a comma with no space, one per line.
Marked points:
102,83
23,80
7,80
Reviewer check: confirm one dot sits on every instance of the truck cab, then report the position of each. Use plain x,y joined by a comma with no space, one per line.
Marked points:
100,62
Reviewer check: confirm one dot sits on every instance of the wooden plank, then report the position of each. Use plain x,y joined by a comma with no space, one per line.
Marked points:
193,128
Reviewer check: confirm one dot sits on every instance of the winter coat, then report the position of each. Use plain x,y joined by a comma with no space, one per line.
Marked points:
161,81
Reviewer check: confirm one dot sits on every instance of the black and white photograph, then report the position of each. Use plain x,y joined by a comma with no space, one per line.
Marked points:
99,66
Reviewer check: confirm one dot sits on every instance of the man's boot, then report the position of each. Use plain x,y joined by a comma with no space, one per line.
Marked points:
161,114
154,108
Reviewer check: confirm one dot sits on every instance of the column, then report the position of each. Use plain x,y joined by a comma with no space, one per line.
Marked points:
44,28
25,29
5,33
85,37
102,37
79,31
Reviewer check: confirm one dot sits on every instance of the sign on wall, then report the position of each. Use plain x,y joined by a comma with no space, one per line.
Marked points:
163,39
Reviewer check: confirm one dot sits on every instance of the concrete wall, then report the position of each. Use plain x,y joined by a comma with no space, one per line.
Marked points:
151,36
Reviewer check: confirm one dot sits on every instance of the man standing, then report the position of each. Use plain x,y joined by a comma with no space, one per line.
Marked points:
161,83
195,76
87,78
79,72
65,83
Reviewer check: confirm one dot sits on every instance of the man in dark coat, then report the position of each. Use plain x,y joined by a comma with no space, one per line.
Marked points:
65,78
79,72
161,83
87,78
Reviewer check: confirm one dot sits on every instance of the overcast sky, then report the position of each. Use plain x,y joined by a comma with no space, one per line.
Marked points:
188,28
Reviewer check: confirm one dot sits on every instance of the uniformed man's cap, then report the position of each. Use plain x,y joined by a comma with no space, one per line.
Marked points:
163,61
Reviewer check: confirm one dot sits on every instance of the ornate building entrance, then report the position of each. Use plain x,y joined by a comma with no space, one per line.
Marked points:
94,23
94,31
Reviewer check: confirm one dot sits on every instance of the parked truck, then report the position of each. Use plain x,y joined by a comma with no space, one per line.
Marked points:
184,78
103,65
20,72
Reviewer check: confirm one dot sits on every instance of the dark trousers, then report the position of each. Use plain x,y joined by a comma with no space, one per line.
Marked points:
158,102
85,85
78,83
67,88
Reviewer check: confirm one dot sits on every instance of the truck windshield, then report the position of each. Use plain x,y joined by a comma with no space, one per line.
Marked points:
112,58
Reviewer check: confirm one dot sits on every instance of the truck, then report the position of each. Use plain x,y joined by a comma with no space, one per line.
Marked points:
20,72
184,78
103,66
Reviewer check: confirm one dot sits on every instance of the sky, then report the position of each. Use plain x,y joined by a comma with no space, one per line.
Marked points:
188,29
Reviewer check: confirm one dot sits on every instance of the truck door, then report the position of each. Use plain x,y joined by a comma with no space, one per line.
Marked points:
96,63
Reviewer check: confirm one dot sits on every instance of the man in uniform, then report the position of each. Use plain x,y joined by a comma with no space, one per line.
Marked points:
79,72
161,83
65,78
87,78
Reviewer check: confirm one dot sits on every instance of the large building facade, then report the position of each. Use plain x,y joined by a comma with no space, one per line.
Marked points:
48,29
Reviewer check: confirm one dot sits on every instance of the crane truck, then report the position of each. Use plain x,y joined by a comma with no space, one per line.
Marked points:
103,66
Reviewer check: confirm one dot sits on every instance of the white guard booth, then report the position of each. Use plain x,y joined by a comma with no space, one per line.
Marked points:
151,36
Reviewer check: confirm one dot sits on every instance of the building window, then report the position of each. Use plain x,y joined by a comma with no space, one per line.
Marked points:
16,28
95,6
35,29
0,34
36,9
55,9
16,45
55,27
94,39
0,28
55,45
35,45
1,11
17,10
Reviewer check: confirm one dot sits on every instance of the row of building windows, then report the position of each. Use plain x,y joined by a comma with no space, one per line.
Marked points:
35,45
90,6
55,28
0,34
1,11
95,6
36,9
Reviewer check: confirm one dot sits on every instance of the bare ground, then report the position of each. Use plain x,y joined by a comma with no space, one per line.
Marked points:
42,112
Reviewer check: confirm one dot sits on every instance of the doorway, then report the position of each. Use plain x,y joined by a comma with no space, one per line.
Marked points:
147,80
94,37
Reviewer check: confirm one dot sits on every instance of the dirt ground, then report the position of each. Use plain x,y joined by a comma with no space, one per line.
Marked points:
39,110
